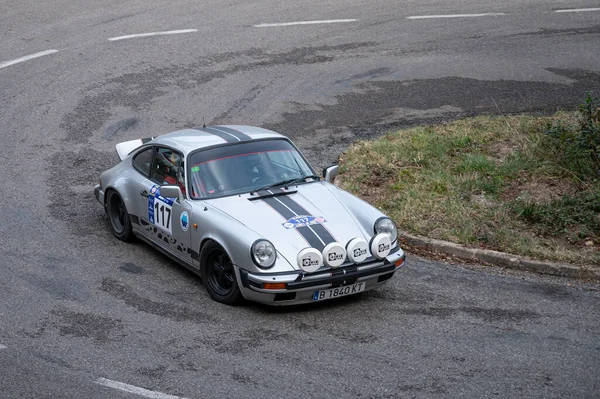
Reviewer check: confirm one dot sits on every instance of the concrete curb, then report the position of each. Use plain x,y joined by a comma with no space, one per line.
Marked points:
502,259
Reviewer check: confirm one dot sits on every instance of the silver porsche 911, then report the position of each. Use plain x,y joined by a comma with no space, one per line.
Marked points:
242,207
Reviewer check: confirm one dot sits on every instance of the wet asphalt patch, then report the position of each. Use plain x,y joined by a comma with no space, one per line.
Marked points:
128,295
136,91
377,107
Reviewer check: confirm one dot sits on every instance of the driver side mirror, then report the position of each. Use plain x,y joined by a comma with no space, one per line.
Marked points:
330,172
172,192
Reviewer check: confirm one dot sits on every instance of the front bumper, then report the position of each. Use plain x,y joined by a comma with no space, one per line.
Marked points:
99,194
300,287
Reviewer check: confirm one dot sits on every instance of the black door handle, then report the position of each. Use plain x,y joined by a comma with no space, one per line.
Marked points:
144,193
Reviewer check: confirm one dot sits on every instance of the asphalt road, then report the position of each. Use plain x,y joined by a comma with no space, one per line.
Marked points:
77,306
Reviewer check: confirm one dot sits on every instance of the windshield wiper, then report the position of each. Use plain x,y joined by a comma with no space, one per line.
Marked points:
286,182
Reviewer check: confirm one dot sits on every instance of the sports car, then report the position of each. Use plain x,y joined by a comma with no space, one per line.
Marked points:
243,208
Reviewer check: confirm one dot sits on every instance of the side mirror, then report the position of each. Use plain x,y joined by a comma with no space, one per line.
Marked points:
330,172
172,192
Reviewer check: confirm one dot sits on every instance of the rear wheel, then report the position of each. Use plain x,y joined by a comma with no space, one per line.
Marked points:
118,216
218,274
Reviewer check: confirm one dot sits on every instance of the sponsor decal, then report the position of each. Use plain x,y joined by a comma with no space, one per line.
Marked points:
310,262
303,221
184,221
159,209
359,252
383,247
315,235
333,257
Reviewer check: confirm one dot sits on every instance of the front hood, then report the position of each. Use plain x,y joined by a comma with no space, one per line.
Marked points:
310,217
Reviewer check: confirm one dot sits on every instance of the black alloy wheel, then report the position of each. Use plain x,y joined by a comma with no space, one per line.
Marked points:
218,274
118,216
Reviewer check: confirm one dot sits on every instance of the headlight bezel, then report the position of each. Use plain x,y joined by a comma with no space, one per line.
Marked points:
255,257
377,228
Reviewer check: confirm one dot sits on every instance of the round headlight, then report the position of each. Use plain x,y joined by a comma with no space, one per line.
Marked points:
263,254
387,226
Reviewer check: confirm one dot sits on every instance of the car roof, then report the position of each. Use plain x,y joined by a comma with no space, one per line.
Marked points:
188,140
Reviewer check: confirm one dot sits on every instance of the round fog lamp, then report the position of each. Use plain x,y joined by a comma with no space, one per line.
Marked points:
334,254
381,245
309,260
357,250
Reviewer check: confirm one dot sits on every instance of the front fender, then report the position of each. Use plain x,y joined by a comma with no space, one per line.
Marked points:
363,212
233,236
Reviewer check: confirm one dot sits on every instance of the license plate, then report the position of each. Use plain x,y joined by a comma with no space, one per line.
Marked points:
339,291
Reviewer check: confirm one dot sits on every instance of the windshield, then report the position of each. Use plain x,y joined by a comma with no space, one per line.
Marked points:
244,167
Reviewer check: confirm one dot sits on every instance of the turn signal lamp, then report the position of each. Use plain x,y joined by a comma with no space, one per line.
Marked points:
274,286
400,261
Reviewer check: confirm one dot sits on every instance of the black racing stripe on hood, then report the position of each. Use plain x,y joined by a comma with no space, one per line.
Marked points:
228,137
236,133
311,238
319,229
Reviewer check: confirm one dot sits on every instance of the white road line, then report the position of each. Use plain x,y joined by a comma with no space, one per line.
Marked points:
26,58
489,14
577,10
326,21
133,389
168,32
2,346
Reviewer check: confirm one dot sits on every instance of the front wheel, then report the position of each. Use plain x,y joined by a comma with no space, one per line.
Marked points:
118,216
218,274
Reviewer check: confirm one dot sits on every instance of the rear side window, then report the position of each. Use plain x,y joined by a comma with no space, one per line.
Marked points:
142,162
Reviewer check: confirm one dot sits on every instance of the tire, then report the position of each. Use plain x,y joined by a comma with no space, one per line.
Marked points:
218,274
118,217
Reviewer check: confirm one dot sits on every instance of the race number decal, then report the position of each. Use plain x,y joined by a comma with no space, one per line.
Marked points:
303,221
160,210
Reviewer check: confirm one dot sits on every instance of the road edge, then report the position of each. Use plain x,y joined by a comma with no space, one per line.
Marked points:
501,259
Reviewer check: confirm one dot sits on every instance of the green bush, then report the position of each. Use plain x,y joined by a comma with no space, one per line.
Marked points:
589,137
576,148
574,216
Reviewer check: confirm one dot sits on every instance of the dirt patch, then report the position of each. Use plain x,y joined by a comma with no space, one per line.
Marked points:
541,191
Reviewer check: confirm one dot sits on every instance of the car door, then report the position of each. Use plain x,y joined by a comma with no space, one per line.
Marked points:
167,218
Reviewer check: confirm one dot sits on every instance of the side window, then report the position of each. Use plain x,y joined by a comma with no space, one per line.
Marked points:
142,162
168,168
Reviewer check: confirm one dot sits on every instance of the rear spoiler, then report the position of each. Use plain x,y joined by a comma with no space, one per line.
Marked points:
124,148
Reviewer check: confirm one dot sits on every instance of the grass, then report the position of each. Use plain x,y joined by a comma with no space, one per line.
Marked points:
520,185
